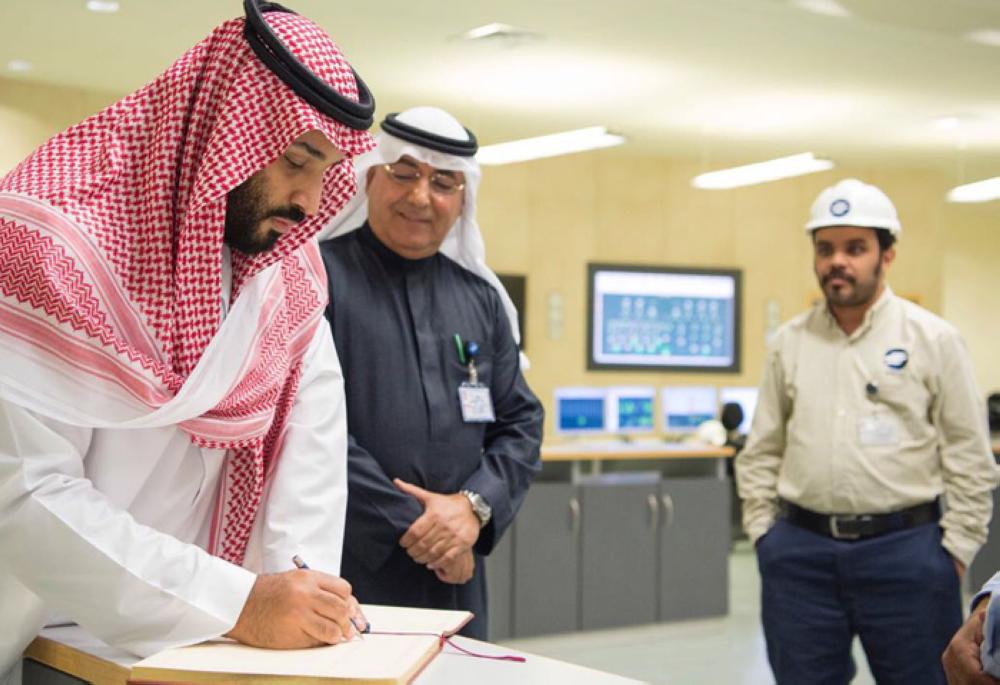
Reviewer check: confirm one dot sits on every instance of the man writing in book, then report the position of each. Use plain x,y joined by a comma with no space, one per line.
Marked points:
172,426
444,431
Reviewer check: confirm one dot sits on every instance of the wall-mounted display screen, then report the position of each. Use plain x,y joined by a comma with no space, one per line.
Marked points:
680,319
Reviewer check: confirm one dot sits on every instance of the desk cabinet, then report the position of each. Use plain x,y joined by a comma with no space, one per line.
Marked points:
547,561
987,562
500,587
694,548
618,554
624,547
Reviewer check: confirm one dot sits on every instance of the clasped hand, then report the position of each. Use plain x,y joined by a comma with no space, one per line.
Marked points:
442,537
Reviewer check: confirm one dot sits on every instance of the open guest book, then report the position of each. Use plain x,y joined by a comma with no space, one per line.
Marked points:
402,642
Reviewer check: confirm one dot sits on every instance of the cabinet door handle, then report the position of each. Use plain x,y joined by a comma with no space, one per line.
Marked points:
668,510
654,512
574,515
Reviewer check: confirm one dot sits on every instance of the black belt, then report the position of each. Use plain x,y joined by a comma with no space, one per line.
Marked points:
861,526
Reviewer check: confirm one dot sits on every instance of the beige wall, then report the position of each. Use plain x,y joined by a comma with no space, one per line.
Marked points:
972,284
30,114
548,218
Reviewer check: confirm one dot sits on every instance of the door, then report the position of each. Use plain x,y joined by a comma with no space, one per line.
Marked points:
547,561
695,538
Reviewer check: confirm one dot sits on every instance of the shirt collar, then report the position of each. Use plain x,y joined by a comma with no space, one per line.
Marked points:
387,256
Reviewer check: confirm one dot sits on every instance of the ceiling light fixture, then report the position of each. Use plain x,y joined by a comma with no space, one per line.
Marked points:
989,37
568,142
486,31
761,172
980,191
19,65
828,8
498,34
103,6
947,123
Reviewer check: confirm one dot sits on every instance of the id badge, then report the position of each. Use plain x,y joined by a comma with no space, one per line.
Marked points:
879,430
477,405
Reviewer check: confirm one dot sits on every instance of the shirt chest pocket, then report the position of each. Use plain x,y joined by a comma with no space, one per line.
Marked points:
906,396
461,424
458,372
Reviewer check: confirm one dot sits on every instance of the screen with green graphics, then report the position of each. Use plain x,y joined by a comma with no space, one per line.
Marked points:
663,318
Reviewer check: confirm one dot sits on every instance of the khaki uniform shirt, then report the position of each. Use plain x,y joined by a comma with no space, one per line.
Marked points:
886,418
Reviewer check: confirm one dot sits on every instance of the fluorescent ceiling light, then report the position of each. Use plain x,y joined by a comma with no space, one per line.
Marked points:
103,6
947,123
565,143
986,37
19,65
497,32
761,172
829,8
980,191
487,30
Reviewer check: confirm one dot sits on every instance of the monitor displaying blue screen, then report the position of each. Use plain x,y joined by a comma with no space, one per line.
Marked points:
632,409
581,410
666,318
687,407
746,397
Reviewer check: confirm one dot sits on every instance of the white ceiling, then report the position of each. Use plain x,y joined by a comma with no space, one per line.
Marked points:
719,80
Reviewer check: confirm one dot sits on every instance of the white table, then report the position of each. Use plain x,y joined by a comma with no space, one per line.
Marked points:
71,650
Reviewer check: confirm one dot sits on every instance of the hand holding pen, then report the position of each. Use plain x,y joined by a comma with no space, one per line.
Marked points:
296,610
355,608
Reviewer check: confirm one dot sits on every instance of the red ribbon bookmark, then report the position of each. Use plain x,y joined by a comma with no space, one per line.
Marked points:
446,640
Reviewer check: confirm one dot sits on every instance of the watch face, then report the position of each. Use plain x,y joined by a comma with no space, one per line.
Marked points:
479,507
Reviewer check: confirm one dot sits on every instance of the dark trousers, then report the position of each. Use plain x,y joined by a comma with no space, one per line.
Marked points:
898,592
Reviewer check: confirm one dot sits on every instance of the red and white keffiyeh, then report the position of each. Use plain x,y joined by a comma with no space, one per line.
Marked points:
110,261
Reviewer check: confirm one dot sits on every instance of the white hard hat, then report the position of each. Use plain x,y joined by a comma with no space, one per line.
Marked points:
853,203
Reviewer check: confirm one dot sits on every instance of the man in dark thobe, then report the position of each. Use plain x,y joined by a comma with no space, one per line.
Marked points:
444,431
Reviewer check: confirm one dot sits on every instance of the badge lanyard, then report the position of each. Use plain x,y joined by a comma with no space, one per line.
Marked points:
473,397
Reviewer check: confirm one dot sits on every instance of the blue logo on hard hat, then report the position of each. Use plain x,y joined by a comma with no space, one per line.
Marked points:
840,207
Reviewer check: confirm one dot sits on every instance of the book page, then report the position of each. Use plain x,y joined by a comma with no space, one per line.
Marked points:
409,620
382,658
376,658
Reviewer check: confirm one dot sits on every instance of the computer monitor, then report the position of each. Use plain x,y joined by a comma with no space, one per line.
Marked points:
581,410
685,407
746,397
670,318
631,409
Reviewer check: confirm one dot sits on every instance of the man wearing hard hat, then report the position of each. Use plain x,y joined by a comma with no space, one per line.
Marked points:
868,418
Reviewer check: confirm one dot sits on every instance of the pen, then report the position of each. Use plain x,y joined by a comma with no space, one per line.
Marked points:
297,560
460,347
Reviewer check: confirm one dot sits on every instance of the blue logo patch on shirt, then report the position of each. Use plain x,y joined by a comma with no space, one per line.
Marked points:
896,358
840,207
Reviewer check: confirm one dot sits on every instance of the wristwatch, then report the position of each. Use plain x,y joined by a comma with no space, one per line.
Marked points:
480,508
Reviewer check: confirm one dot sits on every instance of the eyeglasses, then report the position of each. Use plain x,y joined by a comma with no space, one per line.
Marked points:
441,182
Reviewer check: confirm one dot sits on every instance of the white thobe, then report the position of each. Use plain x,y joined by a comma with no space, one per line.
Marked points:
107,527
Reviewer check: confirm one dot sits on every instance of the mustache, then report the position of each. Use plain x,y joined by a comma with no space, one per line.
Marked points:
837,273
291,213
